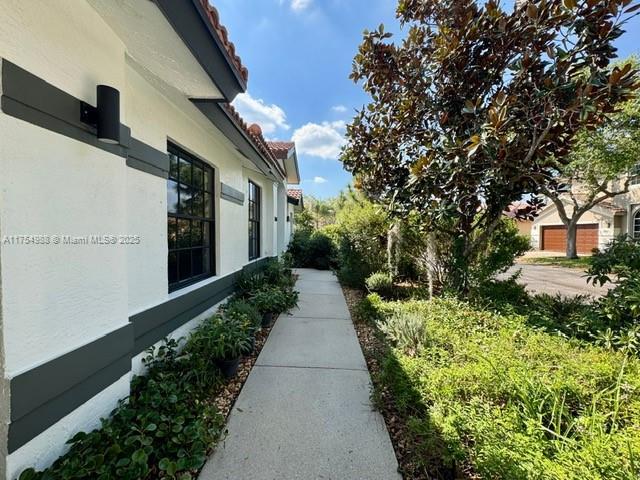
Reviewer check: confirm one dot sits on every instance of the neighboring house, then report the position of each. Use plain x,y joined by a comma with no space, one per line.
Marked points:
514,211
295,204
596,228
124,223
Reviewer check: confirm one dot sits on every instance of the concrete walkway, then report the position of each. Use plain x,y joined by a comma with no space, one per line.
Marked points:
304,412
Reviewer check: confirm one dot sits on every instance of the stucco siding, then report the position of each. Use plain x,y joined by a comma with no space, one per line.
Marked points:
66,43
58,186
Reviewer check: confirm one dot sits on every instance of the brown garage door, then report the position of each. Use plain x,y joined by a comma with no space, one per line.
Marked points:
554,238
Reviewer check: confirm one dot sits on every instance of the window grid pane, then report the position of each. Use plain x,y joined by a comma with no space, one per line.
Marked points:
636,225
254,221
190,219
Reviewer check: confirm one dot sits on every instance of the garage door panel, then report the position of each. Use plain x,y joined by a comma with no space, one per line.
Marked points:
554,238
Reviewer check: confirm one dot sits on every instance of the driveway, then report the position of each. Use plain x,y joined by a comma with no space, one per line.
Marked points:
552,280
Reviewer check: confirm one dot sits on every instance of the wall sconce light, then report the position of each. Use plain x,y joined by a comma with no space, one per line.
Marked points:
105,118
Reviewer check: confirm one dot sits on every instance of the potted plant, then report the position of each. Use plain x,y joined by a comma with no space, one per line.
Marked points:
224,341
269,301
247,315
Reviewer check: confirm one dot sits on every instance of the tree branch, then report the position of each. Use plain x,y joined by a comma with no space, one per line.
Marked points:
555,198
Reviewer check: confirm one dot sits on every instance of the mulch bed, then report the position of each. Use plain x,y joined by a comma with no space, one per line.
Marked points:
226,397
374,348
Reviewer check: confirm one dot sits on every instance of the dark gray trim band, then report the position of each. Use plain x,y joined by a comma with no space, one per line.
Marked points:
231,194
147,159
190,21
154,324
31,99
47,393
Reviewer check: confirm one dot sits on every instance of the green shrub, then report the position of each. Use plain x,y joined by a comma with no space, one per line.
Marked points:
504,246
381,283
362,246
506,401
569,316
502,295
320,251
406,330
619,309
368,309
274,300
277,273
164,427
311,250
249,282
243,312
220,340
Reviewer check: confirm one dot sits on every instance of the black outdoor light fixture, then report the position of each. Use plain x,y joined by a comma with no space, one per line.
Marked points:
105,117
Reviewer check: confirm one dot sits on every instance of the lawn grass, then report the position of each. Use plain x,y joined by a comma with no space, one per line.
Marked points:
580,262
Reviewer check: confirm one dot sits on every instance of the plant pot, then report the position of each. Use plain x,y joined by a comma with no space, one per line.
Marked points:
229,367
267,318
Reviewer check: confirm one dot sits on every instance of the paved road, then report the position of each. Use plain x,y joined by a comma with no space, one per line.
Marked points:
305,411
552,280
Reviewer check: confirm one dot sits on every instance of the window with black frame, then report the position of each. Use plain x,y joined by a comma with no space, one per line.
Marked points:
190,218
254,221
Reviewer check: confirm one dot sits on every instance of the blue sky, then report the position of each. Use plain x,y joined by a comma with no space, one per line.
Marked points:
299,55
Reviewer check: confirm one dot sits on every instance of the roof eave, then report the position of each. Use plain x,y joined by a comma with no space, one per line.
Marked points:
224,122
293,174
190,20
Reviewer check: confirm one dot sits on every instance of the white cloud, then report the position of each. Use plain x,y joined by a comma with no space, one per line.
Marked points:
300,5
319,180
255,110
320,140
339,108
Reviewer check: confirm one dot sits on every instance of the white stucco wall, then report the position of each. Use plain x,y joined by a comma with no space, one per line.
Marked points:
282,239
56,298
59,297
290,225
66,43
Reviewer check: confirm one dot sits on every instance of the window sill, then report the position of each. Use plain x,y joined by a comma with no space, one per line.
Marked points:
194,286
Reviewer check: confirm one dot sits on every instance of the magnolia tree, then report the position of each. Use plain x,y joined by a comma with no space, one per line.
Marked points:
598,168
477,105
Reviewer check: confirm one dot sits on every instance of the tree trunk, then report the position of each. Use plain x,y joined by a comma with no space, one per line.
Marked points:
572,237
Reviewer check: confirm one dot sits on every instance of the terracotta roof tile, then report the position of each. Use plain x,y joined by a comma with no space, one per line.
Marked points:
223,34
520,208
281,149
294,193
254,132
